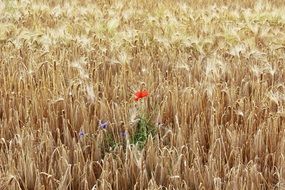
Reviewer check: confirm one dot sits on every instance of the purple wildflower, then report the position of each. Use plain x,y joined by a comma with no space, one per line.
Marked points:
103,125
81,133
124,134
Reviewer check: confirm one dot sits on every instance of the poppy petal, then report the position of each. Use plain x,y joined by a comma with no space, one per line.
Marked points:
140,95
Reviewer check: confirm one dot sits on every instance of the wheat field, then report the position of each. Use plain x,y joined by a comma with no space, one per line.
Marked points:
142,94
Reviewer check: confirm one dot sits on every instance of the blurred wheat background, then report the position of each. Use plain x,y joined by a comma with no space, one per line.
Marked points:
213,116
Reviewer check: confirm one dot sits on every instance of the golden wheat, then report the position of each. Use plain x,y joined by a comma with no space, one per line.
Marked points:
214,117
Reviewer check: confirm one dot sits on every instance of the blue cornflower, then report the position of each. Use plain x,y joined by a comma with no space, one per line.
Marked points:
103,125
81,133
124,134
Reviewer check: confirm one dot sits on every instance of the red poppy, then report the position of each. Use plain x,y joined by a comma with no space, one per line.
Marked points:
140,94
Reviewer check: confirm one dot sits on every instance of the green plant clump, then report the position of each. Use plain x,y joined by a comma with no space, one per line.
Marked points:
143,130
